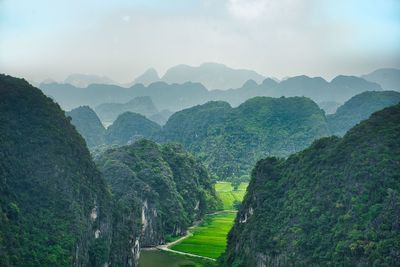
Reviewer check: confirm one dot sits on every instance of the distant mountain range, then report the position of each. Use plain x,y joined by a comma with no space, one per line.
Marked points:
215,76
175,97
211,75
84,80
108,112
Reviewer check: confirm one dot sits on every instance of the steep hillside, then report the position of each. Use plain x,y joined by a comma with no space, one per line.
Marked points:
88,125
108,112
336,203
163,185
129,127
54,205
231,140
359,108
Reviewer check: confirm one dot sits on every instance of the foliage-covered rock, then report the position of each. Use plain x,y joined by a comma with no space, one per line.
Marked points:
336,203
129,127
159,191
54,205
231,140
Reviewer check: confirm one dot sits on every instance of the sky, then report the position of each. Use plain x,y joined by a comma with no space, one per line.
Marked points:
42,39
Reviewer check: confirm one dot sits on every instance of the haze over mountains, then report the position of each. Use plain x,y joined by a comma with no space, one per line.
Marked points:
141,193
177,96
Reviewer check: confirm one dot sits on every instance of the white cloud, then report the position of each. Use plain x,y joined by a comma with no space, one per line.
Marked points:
248,9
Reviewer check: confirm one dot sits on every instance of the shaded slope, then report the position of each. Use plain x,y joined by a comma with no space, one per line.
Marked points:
88,125
359,108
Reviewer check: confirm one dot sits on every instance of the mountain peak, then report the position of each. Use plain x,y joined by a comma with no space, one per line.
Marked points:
148,77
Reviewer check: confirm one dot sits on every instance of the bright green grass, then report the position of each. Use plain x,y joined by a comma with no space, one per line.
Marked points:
228,196
158,258
209,238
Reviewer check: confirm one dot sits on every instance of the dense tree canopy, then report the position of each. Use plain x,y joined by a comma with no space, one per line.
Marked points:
231,140
49,186
336,203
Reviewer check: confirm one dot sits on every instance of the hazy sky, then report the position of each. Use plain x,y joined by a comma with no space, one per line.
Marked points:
42,39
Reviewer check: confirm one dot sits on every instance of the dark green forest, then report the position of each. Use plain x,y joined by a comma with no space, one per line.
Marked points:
161,189
337,203
52,197
58,209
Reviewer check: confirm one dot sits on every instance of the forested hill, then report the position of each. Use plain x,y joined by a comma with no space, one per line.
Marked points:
54,205
88,125
336,203
359,108
231,140
163,185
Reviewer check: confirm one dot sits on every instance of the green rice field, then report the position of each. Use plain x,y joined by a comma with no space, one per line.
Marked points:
209,238
228,196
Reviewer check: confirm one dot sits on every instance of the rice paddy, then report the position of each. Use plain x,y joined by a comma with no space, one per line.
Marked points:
210,237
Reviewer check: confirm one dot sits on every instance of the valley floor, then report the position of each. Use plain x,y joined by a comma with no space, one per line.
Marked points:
205,240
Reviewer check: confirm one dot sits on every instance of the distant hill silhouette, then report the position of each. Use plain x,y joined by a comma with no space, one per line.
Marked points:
148,77
108,112
175,97
84,80
211,75
388,78
359,108
88,125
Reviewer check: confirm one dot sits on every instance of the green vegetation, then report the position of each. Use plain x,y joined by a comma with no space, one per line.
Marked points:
129,127
210,237
88,125
49,186
336,203
158,258
231,140
359,108
228,195
161,189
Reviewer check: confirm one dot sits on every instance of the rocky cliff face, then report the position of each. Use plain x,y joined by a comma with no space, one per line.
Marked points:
159,192
336,203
